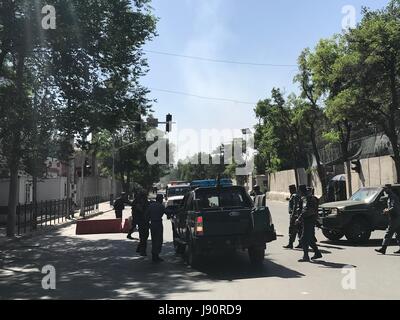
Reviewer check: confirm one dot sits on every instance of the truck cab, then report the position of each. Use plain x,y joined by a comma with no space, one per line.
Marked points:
357,217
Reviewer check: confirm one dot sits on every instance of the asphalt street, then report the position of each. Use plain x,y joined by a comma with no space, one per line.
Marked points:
107,267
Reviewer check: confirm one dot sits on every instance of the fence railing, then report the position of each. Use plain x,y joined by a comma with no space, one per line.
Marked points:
44,213
30,217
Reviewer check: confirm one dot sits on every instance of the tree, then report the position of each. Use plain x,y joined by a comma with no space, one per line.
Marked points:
310,114
279,138
375,56
94,60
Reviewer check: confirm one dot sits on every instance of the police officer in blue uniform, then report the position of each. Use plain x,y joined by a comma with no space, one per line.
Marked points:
156,211
393,212
294,207
308,219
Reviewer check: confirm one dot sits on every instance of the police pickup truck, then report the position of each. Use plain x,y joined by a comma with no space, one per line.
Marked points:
357,217
219,219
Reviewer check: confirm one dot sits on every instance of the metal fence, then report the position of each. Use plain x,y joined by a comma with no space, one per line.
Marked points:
44,213
30,217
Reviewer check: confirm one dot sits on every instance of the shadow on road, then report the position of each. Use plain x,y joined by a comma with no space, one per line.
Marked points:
89,269
333,265
345,243
237,266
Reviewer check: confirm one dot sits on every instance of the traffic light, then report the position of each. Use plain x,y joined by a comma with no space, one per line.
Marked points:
356,166
88,169
169,123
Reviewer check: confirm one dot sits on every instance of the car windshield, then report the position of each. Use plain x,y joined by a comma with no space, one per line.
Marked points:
365,195
211,199
177,191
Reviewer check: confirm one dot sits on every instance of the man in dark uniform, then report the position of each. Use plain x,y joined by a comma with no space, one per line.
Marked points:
294,206
156,211
119,206
140,216
393,212
308,219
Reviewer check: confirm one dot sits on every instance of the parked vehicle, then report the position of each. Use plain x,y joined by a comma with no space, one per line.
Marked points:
210,183
175,193
357,217
217,219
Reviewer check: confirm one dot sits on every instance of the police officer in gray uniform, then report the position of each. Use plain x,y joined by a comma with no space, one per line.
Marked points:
393,212
308,218
294,206
156,211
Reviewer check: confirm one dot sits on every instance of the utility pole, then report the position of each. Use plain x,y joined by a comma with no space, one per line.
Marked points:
113,170
82,204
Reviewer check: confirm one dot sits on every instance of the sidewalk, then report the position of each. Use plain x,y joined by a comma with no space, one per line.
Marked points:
104,208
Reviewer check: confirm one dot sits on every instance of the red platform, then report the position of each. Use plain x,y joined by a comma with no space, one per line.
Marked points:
127,226
99,226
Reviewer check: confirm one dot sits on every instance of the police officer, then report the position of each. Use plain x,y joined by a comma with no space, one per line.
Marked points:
139,210
294,206
119,206
393,212
308,218
156,211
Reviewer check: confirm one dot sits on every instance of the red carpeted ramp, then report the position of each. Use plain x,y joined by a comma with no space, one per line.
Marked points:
99,226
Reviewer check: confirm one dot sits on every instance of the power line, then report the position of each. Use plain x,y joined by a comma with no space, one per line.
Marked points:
221,60
203,97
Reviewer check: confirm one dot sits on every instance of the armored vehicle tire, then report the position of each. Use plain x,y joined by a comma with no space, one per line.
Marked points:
332,234
256,255
358,231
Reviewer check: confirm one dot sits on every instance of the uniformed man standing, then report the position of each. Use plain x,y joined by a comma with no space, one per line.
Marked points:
294,207
308,219
393,212
156,211
119,206
140,216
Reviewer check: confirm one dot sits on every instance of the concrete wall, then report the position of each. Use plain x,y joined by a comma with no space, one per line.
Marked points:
23,185
52,189
279,182
374,172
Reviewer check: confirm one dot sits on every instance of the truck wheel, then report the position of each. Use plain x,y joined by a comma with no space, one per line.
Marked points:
256,255
358,231
192,257
332,234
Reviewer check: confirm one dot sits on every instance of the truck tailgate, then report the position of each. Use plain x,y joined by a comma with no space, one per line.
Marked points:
227,222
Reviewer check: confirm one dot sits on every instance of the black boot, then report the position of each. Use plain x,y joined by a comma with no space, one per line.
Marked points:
382,250
157,259
289,246
304,259
299,246
317,255
129,236
397,252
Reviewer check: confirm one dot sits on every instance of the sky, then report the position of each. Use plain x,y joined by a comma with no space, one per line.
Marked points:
253,31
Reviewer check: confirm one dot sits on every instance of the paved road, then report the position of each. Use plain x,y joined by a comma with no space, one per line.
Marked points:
107,267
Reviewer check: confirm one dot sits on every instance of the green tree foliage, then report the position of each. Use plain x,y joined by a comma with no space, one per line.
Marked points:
89,69
279,136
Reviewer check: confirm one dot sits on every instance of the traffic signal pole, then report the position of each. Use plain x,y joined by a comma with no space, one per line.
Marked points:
82,200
